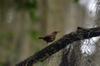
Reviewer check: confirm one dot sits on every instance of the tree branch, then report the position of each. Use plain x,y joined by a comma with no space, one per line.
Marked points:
67,39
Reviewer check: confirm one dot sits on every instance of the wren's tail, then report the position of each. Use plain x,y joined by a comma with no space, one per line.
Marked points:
40,37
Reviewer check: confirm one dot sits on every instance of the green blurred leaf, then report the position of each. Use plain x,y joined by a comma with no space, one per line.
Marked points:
35,35
34,16
31,4
1,64
76,1
28,4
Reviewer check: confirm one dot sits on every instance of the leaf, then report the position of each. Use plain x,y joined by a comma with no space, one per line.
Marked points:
1,64
33,15
35,35
76,1
31,4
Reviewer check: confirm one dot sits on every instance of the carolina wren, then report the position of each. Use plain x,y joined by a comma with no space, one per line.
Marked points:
50,37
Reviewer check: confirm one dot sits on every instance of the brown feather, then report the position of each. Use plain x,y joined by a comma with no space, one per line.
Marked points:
49,38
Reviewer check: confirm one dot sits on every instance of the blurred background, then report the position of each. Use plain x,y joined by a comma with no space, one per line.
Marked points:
23,21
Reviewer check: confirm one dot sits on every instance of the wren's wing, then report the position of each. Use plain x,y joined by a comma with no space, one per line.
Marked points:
48,38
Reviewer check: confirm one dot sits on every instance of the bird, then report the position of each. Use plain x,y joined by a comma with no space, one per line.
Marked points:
50,37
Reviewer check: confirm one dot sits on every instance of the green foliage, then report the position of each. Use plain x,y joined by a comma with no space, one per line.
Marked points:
1,65
35,34
34,16
76,1
27,4
30,5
